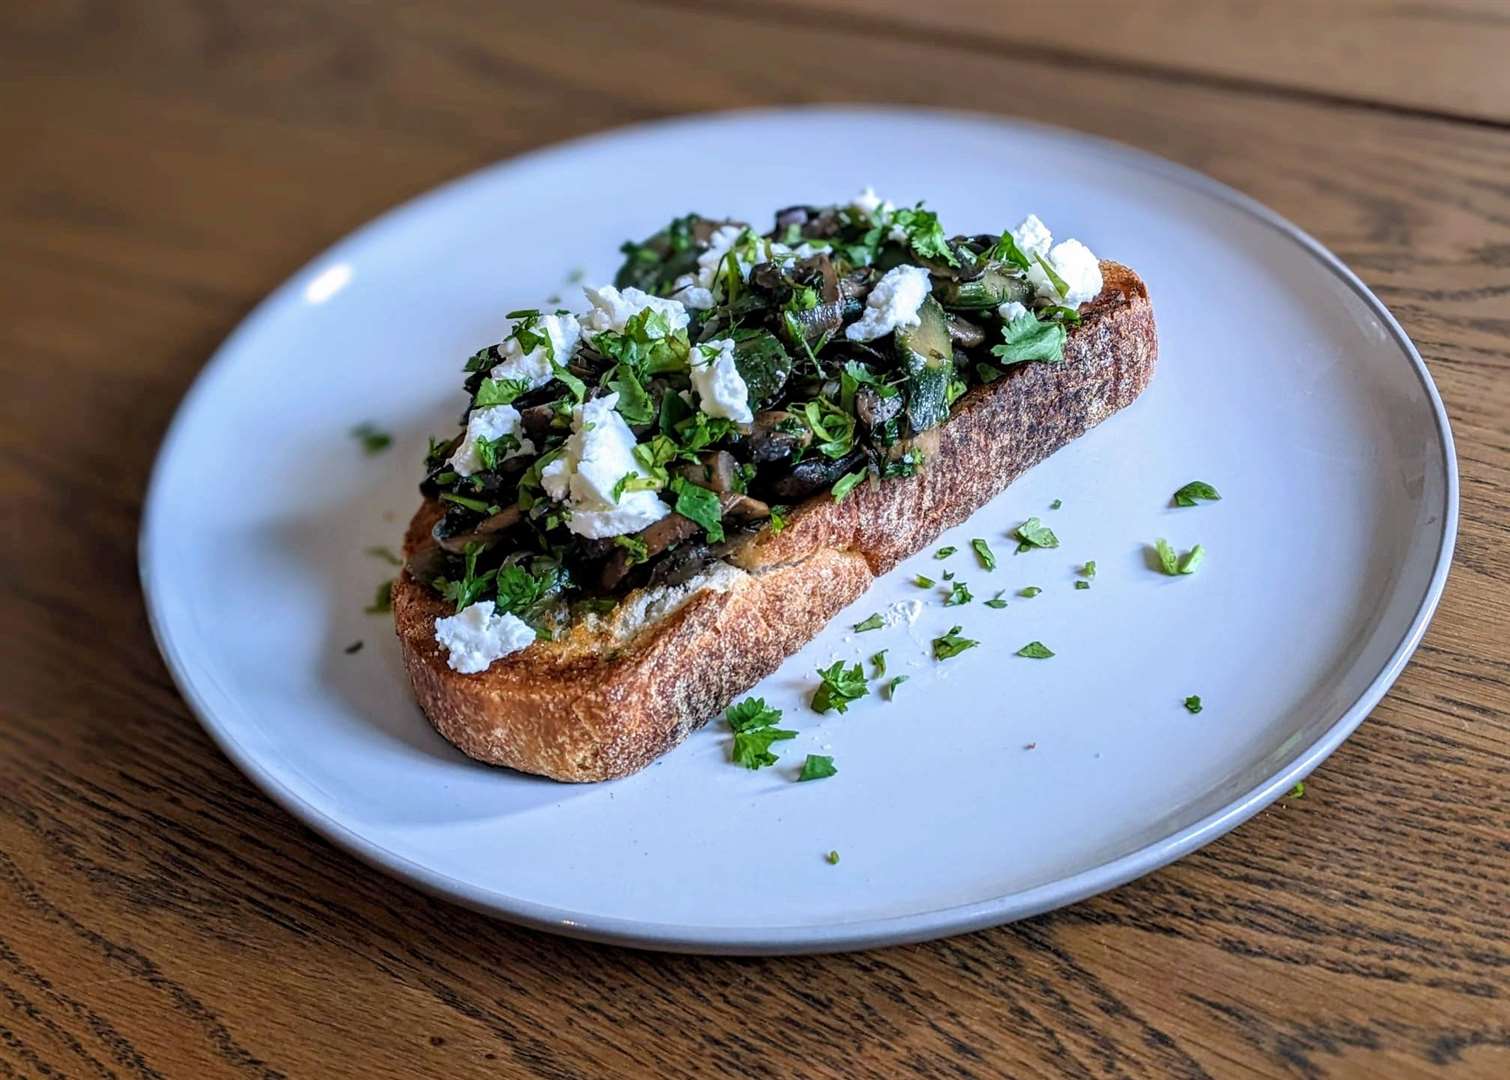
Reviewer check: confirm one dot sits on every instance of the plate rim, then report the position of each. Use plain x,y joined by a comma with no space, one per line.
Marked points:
861,933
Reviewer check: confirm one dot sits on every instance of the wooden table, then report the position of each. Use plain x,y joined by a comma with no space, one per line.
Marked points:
168,163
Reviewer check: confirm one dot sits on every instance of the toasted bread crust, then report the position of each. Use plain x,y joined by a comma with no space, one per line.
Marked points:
614,693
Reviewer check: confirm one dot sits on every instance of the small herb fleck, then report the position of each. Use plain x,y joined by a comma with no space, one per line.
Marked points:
1035,650
354,647
996,601
1089,569
891,687
382,600
816,767
373,439
951,644
879,660
1193,491
1298,791
832,858
753,723
944,552
1082,584
1035,534
839,687
1193,703
924,582
959,593
984,553
875,622
1056,504
1030,592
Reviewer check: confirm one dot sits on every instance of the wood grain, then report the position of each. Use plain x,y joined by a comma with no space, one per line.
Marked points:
1442,56
169,163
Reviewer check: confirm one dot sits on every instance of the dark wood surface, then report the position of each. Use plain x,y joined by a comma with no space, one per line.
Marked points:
168,163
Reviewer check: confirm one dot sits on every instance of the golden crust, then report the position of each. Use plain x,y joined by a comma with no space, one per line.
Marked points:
616,692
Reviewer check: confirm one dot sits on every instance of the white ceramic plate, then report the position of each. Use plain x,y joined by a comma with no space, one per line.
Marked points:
994,787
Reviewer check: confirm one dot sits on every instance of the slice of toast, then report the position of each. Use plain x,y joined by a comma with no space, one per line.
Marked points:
618,690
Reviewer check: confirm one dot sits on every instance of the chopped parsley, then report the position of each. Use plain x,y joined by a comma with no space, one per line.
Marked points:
948,575
879,660
354,647
959,594
832,858
701,505
996,601
816,767
472,585
635,548
875,622
1028,338
924,582
754,725
386,554
499,392
984,553
951,644
924,234
778,517
839,687
1056,504
1089,569
1034,534
372,438
382,600
891,687
1298,791
944,552
1193,703
1082,584
1174,564
1035,650
1193,491
846,483
1030,592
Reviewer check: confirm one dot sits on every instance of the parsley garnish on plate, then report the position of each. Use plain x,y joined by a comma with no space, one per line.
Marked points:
1089,569
944,552
1034,534
891,687
839,687
383,599
1030,592
754,725
354,647
832,858
816,767
1173,564
1298,791
1082,584
951,644
984,553
1193,491
1193,703
924,582
1035,650
879,660
875,622
959,593
1056,504
996,601
373,439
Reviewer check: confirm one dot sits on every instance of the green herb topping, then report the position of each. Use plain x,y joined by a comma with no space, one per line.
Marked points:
1035,650
839,687
1194,491
372,439
984,553
816,767
951,644
754,726
874,622
1193,703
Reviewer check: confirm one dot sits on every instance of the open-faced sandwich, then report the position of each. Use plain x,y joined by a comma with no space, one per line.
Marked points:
657,499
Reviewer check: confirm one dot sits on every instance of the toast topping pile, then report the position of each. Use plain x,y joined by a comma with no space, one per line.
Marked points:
724,377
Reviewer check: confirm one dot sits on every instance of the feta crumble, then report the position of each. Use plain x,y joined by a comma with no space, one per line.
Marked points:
1032,236
1011,310
721,390
534,367
1079,268
872,205
595,457
612,310
475,637
892,304
489,423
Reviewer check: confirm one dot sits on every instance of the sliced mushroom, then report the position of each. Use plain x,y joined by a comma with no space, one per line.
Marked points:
965,333
670,530
486,532
426,562
536,421
873,409
814,475
769,439
681,565
714,469
741,508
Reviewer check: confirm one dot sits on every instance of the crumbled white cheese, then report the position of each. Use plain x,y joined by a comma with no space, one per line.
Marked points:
721,390
893,303
903,612
1011,310
475,637
872,205
489,423
534,367
595,457
1079,268
612,309
696,289
1032,236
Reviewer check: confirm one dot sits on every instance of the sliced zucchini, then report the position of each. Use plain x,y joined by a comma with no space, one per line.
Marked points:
991,289
927,356
763,363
